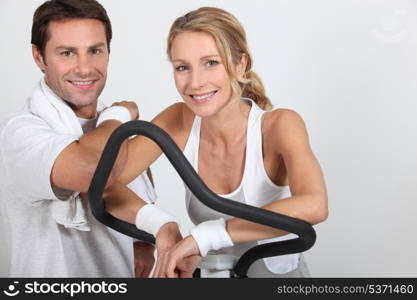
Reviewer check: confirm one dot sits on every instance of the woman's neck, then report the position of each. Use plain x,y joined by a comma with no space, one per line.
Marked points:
228,126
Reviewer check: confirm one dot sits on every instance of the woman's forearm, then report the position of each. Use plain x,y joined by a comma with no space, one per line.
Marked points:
309,208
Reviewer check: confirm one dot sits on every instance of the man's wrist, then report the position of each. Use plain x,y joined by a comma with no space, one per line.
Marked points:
118,113
138,243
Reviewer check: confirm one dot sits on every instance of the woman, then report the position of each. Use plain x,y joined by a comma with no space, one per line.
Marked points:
241,151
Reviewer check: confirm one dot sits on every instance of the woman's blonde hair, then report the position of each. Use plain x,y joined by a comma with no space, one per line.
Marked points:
230,39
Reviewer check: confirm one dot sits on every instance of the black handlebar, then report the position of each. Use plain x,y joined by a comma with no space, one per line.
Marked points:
305,232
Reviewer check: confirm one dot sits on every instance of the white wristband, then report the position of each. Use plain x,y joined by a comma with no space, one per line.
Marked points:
150,218
211,235
118,113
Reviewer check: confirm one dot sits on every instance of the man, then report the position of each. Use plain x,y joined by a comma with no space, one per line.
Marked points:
49,152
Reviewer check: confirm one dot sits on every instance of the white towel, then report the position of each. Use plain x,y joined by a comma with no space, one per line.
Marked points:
58,114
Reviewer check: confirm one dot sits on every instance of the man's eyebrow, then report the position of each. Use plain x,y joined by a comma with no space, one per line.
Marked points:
65,48
98,45
70,48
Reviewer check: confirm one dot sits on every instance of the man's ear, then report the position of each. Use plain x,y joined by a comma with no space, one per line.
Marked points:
241,66
37,56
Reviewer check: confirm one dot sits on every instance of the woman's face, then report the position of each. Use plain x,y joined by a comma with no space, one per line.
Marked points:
200,75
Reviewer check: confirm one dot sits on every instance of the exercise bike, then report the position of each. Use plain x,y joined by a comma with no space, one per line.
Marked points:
237,267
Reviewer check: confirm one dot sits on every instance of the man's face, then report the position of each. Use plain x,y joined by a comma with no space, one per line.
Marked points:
75,62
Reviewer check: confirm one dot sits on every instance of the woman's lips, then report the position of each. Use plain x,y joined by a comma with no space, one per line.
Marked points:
200,98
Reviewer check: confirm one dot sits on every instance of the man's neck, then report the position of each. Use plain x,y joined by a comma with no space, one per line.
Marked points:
85,112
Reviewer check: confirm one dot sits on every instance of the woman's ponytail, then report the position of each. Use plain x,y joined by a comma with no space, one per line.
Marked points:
253,88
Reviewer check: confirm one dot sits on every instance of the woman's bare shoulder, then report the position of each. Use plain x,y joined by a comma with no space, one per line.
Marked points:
286,127
282,119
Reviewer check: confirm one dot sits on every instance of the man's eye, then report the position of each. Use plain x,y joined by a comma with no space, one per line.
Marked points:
66,53
96,51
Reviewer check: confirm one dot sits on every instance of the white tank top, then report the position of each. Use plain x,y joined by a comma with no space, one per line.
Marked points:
256,189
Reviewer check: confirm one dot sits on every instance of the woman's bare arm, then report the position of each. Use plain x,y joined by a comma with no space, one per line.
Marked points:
309,197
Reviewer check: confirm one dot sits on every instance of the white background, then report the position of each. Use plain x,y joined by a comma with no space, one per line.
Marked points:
349,67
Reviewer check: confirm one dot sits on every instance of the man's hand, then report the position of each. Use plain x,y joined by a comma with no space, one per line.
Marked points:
131,106
143,259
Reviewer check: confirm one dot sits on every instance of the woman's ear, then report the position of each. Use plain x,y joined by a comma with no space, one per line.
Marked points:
241,66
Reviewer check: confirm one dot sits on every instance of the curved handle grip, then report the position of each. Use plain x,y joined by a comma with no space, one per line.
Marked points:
305,232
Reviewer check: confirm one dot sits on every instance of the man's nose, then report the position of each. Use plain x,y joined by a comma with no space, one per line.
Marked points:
83,66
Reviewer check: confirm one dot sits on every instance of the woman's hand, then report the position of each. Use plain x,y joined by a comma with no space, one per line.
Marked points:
180,261
168,236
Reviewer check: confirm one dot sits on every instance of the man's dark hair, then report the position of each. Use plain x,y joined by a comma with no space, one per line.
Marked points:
55,10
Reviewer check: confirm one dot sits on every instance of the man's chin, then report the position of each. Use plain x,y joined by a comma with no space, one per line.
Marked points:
81,103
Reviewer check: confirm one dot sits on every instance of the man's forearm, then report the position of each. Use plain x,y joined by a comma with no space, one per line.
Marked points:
75,166
96,140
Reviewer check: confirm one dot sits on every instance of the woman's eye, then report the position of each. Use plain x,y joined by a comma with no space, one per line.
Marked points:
180,68
212,63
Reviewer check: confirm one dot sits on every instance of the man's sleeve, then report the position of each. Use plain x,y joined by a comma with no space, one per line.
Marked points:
29,149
